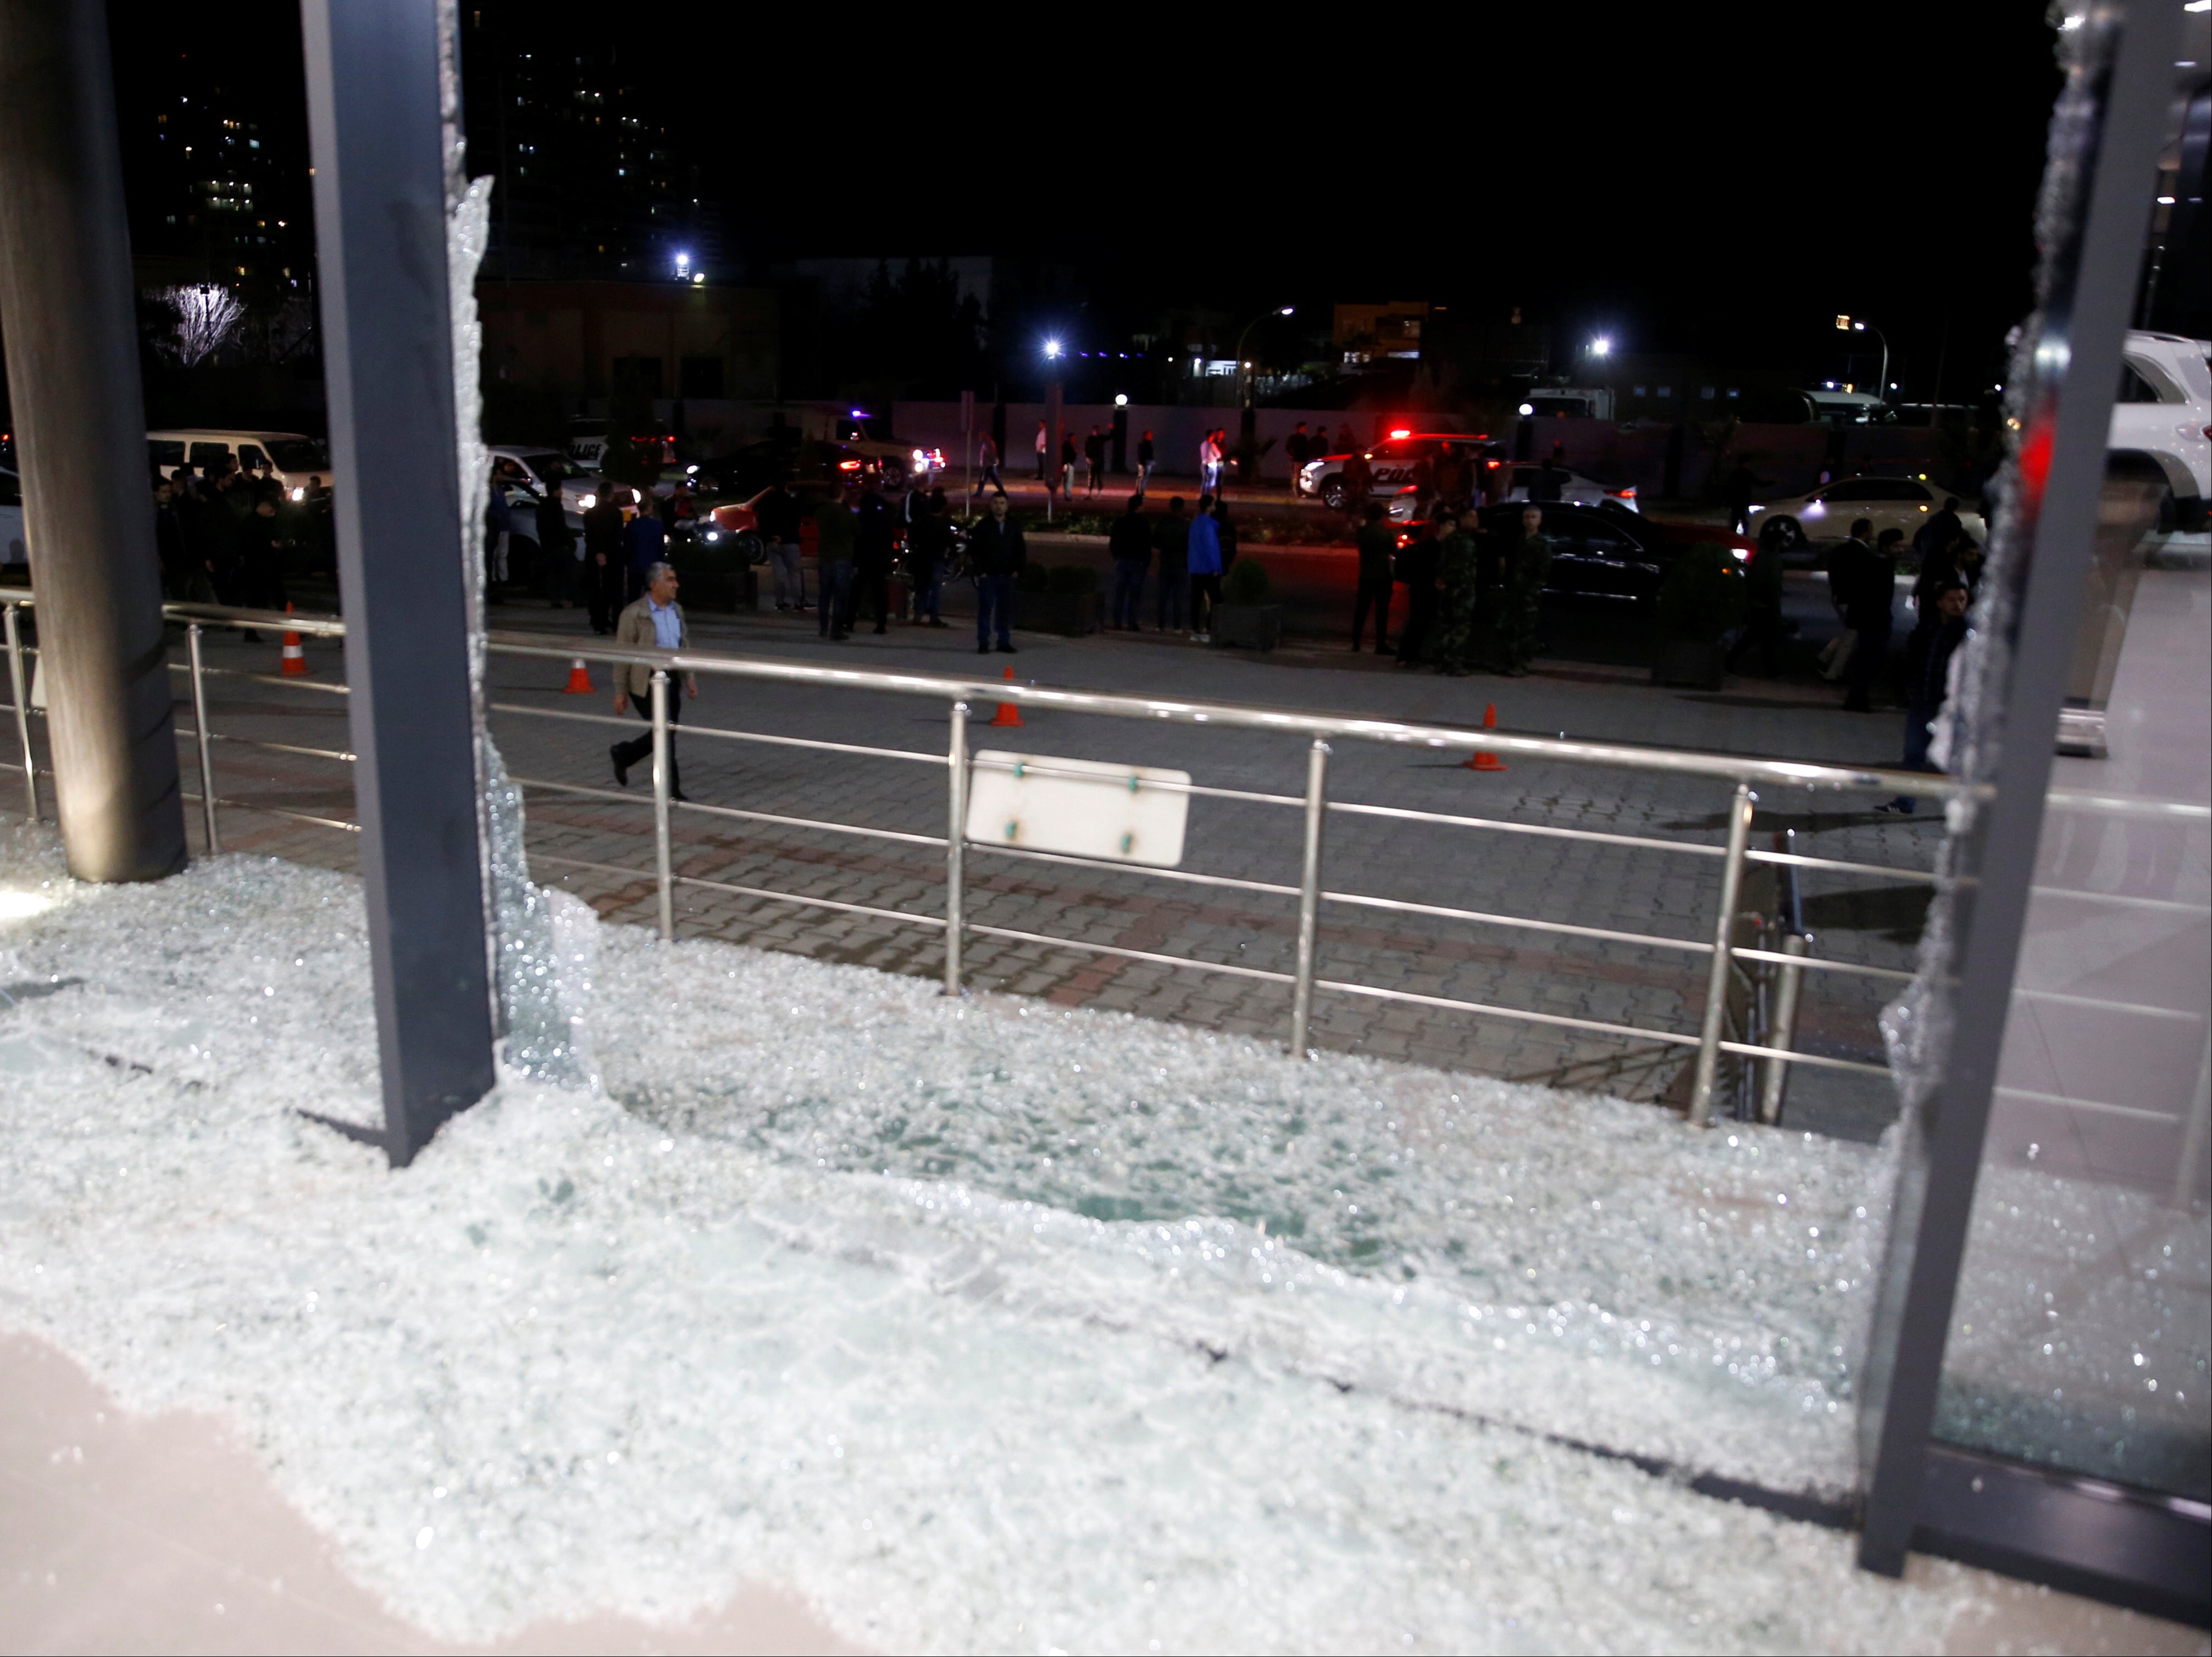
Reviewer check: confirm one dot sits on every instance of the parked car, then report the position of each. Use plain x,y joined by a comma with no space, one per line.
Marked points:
14,548
1827,513
291,459
1605,551
1390,463
2164,412
539,471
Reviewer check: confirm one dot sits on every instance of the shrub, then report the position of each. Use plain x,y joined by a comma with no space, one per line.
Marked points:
1702,596
1246,583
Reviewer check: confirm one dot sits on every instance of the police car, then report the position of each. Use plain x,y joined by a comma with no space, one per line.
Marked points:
1391,462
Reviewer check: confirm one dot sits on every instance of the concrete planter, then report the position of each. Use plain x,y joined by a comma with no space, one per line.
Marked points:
1251,626
1696,662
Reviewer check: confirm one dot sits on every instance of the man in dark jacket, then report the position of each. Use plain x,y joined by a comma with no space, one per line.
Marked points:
1172,536
1927,679
1376,541
874,525
1131,545
1738,488
928,544
645,543
835,529
1762,630
169,541
998,555
1527,567
776,511
603,566
1870,590
1417,569
557,543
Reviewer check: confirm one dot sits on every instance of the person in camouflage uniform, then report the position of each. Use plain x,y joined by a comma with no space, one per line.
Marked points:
1527,561
1458,572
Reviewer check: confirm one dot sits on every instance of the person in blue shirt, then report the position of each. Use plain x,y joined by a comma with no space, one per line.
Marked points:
645,543
1204,558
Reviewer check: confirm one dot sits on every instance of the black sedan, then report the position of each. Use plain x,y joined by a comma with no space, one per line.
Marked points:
1608,552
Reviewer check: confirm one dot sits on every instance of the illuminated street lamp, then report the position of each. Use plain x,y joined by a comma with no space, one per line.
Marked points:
1601,346
1860,325
1242,365
1052,349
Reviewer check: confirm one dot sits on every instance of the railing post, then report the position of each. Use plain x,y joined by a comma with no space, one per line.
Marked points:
1717,981
1309,895
660,805
1781,1032
16,689
200,734
956,845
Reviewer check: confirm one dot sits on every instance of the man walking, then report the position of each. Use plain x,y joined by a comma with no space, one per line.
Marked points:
777,513
1525,568
1296,449
1043,447
1144,463
1378,545
1358,482
834,535
603,561
1417,566
654,622
1131,545
1203,557
998,553
986,467
1172,537
1739,486
1762,630
1094,455
1209,470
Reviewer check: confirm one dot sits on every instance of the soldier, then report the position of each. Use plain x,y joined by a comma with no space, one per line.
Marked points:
1527,564
1459,572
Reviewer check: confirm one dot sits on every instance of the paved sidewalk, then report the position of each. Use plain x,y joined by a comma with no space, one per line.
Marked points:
1663,893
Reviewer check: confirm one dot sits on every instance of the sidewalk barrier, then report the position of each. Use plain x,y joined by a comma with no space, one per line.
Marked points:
1008,715
1483,760
579,679
295,659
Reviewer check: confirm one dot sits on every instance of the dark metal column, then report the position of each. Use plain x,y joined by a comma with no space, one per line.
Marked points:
71,327
2091,232
380,207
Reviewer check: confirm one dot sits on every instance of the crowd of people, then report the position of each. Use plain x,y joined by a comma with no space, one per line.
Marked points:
223,533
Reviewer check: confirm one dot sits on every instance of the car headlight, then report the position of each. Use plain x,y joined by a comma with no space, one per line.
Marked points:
921,459
1741,555
299,494
587,501
714,535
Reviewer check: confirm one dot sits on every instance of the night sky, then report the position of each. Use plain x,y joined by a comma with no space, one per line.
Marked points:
1719,178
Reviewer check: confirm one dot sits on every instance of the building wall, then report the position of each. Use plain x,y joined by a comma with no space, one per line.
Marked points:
572,334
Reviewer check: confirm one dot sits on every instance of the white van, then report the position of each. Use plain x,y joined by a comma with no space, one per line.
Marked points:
289,457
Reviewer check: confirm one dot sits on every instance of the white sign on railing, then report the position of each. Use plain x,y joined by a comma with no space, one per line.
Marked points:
1124,813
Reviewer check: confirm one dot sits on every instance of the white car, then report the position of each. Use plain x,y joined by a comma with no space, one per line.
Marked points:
1889,503
1390,463
539,471
1575,491
2164,412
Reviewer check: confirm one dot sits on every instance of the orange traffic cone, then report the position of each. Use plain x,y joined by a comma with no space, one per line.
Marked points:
1008,714
579,679
1483,760
295,659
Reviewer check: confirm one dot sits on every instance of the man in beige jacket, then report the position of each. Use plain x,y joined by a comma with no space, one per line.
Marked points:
655,620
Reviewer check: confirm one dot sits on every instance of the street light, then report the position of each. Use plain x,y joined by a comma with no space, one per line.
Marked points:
1276,311
1052,348
1859,326
1601,346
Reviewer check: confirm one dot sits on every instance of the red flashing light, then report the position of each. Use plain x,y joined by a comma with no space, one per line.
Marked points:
849,466
1402,431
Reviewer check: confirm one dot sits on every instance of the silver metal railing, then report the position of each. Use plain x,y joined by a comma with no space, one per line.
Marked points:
1710,1041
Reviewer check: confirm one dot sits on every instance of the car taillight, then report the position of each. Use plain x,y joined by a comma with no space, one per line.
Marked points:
1628,493
849,466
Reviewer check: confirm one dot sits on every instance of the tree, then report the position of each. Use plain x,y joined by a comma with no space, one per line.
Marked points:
207,318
